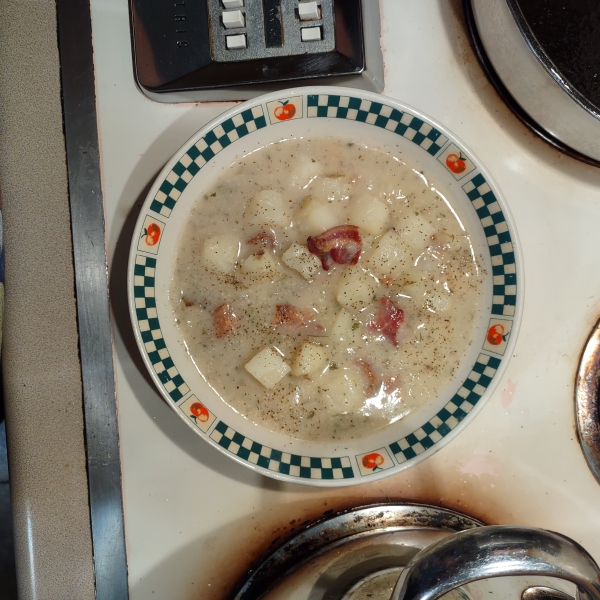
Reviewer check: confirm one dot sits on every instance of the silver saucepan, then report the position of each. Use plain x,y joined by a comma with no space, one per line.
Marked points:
418,552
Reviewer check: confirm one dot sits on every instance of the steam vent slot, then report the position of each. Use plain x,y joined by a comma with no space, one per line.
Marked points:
273,31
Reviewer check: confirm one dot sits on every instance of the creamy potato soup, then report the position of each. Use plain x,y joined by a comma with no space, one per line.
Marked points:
324,289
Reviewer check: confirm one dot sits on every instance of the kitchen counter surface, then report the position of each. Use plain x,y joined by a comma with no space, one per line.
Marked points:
40,355
194,520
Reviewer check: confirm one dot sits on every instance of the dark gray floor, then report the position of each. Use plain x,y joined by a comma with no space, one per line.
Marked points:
8,580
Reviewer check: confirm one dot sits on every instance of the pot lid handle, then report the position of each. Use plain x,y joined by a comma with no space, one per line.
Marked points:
496,551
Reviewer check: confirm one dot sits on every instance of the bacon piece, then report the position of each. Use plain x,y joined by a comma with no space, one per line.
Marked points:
291,317
388,320
341,244
225,320
264,238
368,372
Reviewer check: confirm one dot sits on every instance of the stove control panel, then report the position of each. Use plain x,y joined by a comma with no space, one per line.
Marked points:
259,29
183,45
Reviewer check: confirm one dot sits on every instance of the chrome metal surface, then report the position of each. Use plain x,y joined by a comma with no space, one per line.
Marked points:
378,586
87,221
498,551
587,413
540,592
330,557
536,84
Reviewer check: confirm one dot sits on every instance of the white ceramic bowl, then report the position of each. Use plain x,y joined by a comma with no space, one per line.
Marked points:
370,119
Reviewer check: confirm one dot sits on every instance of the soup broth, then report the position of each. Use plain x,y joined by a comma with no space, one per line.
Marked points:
325,289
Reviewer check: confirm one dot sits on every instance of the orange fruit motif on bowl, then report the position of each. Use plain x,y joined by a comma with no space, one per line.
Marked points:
200,412
285,111
152,234
456,162
495,335
373,461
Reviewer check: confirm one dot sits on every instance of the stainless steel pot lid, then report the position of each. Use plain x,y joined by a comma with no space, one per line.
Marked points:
330,557
413,551
543,58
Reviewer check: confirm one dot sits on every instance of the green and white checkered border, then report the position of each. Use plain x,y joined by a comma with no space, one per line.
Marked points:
147,317
381,115
304,467
452,414
502,253
201,152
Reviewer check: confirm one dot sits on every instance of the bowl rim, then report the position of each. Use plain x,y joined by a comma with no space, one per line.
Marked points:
477,168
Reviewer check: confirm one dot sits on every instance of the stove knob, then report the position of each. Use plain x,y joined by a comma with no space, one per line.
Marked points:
311,34
233,19
235,42
309,11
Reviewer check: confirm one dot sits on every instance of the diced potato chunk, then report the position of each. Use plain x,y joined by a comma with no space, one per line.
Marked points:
343,324
305,169
356,289
370,213
262,266
333,188
220,253
309,360
267,208
343,391
268,367
389,256
315,216
416,232
300,259
345,328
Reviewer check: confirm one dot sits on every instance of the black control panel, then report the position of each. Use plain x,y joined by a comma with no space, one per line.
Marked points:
184,45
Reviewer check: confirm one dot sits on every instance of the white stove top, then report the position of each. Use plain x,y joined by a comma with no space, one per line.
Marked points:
195,520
